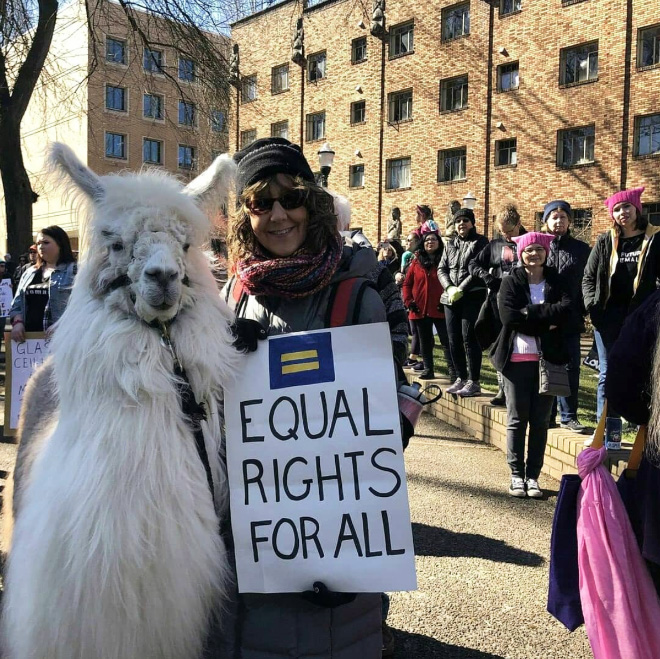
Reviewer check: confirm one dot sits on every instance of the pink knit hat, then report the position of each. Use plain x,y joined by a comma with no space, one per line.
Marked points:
533,238
632,196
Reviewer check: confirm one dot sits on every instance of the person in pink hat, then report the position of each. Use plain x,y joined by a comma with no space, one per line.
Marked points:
535,308
621,273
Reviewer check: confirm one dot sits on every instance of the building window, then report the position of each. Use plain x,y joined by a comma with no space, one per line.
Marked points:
400,106
280,129
316,67
152,152
115,98
401,39
358,112
115,146
315,126
152,106
647,135
359,50
452,164
153,60
356,176
508,77
648,46
456,21
186,69
575,146
652,213
510,7
398,173
115,51
506,152
217,121
248,136
579,64
582,224
186,159
248,89
279,79
454,93
187,113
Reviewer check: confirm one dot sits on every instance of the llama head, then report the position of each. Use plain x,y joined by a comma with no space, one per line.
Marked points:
145,233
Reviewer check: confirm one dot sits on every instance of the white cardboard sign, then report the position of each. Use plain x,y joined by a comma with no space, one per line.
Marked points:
6,297
315,461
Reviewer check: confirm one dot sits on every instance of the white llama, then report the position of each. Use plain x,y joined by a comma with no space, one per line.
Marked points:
116,550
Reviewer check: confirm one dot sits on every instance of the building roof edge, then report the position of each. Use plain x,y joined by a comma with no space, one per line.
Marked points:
261,12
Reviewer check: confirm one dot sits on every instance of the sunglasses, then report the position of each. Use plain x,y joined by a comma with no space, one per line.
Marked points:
292,199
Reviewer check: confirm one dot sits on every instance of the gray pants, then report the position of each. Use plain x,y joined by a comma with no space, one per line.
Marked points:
525,407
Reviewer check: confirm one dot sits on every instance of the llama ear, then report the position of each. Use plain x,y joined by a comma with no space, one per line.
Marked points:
211,187
63,160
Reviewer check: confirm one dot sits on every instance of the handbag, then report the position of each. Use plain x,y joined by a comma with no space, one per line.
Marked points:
553,378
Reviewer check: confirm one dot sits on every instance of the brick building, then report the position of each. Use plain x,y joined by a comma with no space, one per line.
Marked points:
509,99
119,105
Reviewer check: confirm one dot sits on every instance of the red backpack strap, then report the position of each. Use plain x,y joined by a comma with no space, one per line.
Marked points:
345,301
236,295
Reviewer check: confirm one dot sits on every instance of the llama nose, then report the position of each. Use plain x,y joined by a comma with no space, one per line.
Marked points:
162,276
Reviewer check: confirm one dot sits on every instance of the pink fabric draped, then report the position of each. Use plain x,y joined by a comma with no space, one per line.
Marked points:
620,605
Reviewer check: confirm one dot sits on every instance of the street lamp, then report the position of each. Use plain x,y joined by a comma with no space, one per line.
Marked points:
326,158
469,201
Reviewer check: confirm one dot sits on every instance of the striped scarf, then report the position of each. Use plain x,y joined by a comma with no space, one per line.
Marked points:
299,275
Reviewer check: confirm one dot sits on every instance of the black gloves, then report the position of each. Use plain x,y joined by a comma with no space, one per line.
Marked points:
494,284
414,308
248,333
328,599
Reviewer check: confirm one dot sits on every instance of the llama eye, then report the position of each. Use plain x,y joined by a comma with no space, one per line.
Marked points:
117,247
186,247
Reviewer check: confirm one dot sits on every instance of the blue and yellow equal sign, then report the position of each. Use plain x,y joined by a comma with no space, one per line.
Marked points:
300,360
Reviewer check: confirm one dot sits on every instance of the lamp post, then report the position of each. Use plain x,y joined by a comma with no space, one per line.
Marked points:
469,201
326,158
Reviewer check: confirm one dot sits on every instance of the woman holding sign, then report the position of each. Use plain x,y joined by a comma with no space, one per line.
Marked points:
44,288
292,269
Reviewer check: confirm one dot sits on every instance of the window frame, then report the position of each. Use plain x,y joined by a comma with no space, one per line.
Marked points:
354,104
650,210
388,172
352,169
446,12
511,162
124,97
193,157
443,155
154,67
124,138
560,146
655,130
309,125
244,133
501,71
273,77
314,58
515,9
213,123
446,86
656,47
161,150
193,113
248,82
124,61
190,76
275,133
395,97
564,52
162,106
396,33
354,60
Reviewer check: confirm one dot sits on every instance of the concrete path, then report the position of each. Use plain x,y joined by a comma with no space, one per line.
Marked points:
482,558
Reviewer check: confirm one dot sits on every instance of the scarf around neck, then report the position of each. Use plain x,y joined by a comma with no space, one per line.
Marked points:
298,275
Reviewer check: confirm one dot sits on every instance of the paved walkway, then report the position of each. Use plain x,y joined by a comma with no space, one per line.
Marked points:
481,558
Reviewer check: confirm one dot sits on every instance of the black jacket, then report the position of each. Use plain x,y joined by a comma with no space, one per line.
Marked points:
453,269
488,264
569,257
597,274
514,296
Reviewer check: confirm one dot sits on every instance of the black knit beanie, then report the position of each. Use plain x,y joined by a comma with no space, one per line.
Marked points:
464,212
268,156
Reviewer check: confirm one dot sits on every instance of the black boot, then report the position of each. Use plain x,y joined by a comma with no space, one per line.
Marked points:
500,399
427,374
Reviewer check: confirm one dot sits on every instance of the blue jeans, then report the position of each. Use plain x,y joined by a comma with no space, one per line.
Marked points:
606,334
568,405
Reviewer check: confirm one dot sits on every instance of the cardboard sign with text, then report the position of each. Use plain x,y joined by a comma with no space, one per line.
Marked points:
315,461
24,360
6,297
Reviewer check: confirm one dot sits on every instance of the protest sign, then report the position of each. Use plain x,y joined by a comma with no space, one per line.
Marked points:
21,363
6,297
315,462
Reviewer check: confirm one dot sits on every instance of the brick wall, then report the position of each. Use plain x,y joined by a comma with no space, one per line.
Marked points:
532,114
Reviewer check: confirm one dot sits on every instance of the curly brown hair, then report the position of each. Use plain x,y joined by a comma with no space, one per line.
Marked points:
508,214
321,222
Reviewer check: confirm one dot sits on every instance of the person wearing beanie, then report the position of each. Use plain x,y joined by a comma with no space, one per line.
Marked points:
289,260
568,256
534,306
463,297
621,272
493,263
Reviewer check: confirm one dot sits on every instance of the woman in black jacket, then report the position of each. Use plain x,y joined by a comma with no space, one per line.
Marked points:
464,295
534,304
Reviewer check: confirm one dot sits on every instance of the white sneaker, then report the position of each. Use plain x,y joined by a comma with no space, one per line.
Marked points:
471,388
456,387
517,487
533,489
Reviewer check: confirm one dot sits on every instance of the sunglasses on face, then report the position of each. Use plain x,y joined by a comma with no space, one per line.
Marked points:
289,200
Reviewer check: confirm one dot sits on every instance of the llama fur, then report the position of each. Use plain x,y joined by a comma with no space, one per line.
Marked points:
116,550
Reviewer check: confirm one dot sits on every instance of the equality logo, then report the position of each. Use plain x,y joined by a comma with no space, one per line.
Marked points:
300,360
